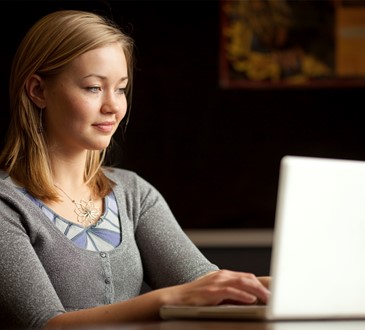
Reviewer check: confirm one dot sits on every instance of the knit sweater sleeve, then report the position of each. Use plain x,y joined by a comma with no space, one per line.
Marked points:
27,297
169,257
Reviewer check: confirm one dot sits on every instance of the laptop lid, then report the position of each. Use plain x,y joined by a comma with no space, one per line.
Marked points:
317,262
317,265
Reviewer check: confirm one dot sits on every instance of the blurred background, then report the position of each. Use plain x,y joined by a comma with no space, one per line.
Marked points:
213,150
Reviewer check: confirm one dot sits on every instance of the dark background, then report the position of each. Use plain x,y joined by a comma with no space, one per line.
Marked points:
213,153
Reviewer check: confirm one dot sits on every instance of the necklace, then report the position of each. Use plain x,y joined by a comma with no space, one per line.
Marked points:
87,212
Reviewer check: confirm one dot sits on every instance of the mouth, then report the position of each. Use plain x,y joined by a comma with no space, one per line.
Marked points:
105,127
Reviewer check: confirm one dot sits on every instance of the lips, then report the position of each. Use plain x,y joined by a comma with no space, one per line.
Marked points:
106,126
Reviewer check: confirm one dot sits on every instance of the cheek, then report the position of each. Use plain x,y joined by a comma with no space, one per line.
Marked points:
79,108
64,106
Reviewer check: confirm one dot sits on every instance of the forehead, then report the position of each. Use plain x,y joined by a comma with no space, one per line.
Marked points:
107,59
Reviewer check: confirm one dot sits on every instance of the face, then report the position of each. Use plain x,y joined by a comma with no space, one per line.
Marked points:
86,102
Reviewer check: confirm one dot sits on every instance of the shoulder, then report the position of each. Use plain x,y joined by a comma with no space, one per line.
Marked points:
122,176
126,179
3,175
115,173
130,183
7,185
14,206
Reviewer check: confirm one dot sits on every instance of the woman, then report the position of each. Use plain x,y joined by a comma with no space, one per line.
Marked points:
78,238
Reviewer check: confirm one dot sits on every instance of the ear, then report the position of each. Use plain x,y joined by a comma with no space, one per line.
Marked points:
35,90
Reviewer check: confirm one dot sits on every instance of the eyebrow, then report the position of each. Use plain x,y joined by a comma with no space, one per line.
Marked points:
103,77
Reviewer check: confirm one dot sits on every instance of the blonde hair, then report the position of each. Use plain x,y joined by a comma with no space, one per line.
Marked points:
53,42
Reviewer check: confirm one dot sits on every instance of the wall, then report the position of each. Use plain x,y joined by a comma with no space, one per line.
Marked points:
213,153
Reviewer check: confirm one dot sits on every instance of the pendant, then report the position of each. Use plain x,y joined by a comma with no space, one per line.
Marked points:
86,212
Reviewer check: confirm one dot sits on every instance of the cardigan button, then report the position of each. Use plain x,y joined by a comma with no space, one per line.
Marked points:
102,254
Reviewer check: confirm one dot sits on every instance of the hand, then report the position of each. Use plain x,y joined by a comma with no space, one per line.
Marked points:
221,287
265,280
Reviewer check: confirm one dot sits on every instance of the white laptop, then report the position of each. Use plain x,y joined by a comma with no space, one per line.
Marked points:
318,252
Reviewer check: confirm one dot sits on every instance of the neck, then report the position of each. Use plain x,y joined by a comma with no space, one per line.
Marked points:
68,172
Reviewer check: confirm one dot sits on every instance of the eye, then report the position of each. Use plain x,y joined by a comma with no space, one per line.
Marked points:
93,89
121,90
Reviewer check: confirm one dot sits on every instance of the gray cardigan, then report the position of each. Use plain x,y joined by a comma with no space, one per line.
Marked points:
42,273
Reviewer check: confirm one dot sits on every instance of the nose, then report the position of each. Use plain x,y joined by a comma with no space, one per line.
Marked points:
112,103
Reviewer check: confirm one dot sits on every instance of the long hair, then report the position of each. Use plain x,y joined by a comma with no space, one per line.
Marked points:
53,42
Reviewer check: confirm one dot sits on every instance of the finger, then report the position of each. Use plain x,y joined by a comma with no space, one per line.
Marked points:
265,280
253,286
239,286
228,294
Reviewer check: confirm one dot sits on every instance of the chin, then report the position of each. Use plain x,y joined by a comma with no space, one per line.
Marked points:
100,146
102,143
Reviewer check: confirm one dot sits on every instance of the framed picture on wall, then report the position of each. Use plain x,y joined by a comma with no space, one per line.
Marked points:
286,43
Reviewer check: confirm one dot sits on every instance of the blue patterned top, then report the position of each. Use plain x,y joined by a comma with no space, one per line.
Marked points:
104,235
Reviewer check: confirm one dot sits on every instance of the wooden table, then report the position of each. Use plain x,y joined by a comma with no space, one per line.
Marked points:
235,325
